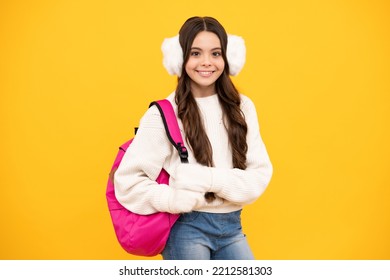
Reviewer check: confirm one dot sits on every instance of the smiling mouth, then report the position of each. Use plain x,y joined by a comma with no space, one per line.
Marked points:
205,73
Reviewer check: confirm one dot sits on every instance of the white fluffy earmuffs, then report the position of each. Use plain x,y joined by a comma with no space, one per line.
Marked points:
173,55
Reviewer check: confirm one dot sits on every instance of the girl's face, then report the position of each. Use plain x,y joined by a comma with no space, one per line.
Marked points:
205,63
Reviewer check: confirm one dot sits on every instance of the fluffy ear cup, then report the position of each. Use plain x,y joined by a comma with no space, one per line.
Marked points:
236,54
173,55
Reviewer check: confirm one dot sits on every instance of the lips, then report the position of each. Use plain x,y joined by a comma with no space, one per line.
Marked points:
205,73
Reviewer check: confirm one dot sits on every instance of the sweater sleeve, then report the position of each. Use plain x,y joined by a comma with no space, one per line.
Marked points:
245,186
134,183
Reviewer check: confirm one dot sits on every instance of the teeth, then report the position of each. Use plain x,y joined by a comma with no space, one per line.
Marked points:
205,73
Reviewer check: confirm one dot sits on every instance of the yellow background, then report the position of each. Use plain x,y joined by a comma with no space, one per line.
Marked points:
76,76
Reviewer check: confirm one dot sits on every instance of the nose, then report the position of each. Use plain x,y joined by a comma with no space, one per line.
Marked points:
206,61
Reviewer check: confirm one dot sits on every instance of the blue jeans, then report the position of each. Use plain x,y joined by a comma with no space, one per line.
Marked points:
207,236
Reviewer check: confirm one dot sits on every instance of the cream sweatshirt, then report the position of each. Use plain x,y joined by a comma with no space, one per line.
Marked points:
151,150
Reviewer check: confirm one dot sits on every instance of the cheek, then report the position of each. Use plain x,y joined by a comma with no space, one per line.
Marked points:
190,64
221,65
188,69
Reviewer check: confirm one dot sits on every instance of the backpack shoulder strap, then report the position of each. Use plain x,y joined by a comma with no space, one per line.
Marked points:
172,127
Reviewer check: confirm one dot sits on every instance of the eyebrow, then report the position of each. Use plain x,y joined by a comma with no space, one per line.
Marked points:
214,49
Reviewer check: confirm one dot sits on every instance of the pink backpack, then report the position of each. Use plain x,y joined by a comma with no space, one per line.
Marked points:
145,235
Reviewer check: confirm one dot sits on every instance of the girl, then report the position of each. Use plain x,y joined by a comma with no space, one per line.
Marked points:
228,163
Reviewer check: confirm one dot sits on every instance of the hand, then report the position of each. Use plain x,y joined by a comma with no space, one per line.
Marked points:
184,201
216,202
192,177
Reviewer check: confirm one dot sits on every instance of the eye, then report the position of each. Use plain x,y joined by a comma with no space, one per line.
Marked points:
216,54
195,53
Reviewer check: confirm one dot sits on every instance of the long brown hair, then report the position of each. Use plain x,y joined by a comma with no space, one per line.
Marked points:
227,93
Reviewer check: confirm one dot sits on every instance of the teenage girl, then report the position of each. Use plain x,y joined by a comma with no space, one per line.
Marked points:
228,163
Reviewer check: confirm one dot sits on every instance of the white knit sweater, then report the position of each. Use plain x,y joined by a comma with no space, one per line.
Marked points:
151,150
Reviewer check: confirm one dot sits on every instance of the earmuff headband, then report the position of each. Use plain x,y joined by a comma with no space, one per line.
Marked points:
173,55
